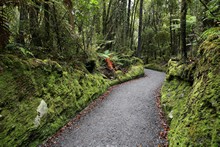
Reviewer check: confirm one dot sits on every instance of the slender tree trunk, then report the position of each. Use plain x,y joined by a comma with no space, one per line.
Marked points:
128,18
33,14
140,30
46,20
171,32
171,36
90,33
23,18
183,28
106,18
69,6
56,28
125,23
133,22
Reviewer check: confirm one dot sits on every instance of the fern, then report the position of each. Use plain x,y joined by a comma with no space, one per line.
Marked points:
211,31
4,28
25,51
7,14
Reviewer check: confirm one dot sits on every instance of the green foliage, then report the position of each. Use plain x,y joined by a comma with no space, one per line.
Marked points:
190,22
162,37
106,54
212,31
25,51
18,49
213,6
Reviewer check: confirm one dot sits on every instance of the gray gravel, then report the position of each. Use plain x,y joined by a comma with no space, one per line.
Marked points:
127,117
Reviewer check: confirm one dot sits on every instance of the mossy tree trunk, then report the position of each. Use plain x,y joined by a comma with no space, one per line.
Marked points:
183,28
22,22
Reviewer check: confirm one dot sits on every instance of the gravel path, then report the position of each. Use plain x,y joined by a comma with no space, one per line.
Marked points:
127,117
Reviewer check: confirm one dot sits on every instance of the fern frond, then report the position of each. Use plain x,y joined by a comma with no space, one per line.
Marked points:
211,31
4,28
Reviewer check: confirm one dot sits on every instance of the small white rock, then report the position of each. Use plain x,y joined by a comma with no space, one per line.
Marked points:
171,114
41,111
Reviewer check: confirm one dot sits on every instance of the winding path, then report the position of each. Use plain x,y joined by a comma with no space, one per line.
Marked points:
127,117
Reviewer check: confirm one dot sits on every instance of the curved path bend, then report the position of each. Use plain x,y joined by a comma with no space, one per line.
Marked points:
127,117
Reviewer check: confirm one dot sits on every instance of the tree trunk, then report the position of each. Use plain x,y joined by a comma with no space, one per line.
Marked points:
140,30
183,28
69,6
33,14
104,18
124,18
23,18
128,18
133,22
56,28
171,32
46,20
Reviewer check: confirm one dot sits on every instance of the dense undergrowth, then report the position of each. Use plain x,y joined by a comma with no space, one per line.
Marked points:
39,96
190,98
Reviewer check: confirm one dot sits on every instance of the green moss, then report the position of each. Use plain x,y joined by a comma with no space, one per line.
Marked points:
134,71
25,83
194,104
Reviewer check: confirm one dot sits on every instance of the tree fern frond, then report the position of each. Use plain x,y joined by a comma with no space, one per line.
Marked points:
211,31
4,28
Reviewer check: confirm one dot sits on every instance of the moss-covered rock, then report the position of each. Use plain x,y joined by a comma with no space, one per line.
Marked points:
190,97
25,83
37,97
134,71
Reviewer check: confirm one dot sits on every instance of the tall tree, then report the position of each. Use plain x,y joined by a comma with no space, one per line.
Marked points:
172,8
133,20
34,24
4,27
23,19
140,29
47,19
69,5
128,17
183,28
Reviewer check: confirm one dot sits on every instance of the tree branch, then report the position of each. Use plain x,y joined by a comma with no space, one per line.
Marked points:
206,7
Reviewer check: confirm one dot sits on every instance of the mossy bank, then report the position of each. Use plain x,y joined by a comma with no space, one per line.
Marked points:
37,97
191,98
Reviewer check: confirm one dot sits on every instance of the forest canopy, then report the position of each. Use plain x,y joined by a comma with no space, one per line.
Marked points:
69,29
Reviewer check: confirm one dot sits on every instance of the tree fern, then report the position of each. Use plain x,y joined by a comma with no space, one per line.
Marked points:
4,27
